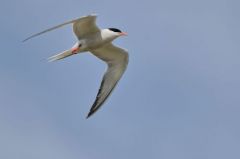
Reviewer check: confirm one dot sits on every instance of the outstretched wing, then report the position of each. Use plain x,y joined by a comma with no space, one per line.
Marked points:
117,60
85,26
81,26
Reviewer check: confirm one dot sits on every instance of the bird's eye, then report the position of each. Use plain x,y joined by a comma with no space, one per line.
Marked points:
79,45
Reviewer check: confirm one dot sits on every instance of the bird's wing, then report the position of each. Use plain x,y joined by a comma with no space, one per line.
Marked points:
85,26
81,26
117,60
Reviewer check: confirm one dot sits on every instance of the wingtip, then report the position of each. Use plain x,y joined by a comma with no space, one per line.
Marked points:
27,39
24,40
89,114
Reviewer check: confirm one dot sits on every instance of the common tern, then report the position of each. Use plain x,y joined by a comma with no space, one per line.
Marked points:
99,43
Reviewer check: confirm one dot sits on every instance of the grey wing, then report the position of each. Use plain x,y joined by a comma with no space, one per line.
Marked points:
79,26
117,60
85,26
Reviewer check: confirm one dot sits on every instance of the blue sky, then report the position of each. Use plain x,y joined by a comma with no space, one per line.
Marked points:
179,97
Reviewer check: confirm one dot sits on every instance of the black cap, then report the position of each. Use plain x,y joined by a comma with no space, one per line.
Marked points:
115,30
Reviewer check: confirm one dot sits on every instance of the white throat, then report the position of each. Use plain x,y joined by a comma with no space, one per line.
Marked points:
108,35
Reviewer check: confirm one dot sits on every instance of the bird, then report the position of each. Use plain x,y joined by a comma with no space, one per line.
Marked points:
90,38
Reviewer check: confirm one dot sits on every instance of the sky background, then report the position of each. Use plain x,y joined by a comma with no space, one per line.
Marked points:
178,99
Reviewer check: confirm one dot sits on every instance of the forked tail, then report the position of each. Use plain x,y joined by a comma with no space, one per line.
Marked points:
60,56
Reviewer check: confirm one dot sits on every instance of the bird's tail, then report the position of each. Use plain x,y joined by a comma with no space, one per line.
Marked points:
60,56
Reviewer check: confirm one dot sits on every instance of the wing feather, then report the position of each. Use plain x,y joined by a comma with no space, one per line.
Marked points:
117,60
81,26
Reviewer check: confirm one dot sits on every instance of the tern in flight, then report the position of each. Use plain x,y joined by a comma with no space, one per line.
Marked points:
99,43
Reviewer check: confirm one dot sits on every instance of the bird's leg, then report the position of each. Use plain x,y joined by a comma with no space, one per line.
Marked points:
75,50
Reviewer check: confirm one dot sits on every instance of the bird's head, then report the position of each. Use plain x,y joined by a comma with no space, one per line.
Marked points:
112,33
116,32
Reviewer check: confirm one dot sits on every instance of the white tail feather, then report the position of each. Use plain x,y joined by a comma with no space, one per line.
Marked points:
60,56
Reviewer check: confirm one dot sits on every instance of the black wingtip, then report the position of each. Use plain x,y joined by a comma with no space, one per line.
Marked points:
89,114
24,40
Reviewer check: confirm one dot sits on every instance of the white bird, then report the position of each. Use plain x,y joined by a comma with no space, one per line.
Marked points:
99,43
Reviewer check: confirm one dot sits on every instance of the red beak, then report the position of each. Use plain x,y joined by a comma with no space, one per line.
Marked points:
123,34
